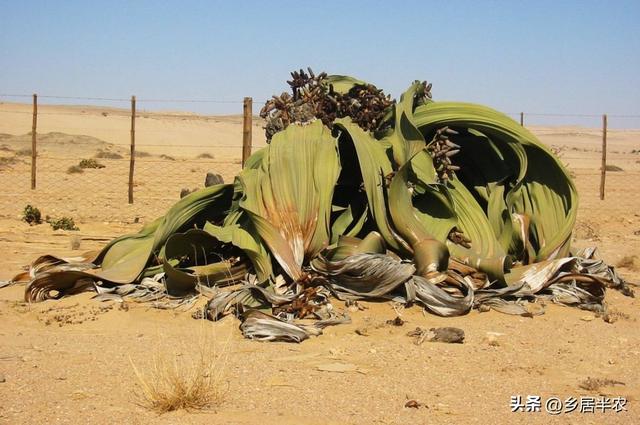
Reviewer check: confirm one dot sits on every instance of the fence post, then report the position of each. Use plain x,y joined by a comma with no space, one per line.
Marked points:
246,128
34,150
603,167
522,119
133,147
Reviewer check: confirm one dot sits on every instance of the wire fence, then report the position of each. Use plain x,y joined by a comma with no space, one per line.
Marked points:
175,151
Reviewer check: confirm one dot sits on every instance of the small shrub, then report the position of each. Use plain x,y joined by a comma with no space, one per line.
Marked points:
31,215
141,154
205,155
611,167
108,155
90,163
62,223
167,157
75,169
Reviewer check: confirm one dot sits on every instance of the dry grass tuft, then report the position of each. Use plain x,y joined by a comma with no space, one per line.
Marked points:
595,384
108,155
24,152
190,378
75,169
205,155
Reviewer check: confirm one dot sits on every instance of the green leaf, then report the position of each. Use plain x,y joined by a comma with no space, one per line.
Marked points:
288,197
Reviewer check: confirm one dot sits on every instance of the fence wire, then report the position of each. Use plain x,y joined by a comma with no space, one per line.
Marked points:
172,154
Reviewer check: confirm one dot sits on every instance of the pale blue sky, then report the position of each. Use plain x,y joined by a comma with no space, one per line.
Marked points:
579,57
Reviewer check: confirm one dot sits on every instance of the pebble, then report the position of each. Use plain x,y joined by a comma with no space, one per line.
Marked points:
2,378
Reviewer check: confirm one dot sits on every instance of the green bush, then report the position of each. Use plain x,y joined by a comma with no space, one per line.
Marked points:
31,215
90,163
64,223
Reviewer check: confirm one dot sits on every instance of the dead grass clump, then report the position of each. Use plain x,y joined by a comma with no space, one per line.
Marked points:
75,169
611,167
191,379
24,152
142,154
627,262
167,157
205,155
108,155
594,384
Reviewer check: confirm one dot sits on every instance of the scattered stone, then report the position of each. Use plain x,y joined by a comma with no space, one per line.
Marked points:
483,308
2,378
587,318
353,306
413,404
186,191
448,335
75,242
337,367
492,339
213,179
396,322
362,331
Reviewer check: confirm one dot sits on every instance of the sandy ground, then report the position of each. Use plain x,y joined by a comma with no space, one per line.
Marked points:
70,361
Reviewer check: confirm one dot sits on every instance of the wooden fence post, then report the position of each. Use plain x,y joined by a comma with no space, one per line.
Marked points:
603,167
246,128
133,147
522,119
34,150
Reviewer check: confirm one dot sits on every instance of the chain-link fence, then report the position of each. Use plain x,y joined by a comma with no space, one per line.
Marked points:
83,159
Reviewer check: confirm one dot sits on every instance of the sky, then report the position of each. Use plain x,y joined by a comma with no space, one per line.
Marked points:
558,57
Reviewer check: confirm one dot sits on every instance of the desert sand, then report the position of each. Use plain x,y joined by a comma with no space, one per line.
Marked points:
70,361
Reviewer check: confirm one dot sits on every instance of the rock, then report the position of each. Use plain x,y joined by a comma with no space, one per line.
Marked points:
492,338
396,322
447,334
362,331
413,404
337,367
213,179
2,378
587,318
184,192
